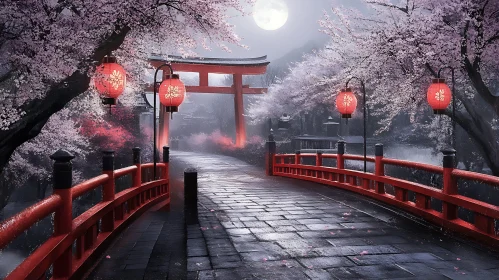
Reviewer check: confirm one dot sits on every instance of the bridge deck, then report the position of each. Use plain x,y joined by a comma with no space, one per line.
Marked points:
256,227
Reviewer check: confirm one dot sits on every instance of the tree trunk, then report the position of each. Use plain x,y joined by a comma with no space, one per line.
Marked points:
482,135
39,111
6,189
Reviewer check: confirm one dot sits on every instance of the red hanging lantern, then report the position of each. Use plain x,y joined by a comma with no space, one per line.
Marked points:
439,96
110,80
346,103
171,93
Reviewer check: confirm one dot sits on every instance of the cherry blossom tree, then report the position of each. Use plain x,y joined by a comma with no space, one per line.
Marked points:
397,47
49,50
31,159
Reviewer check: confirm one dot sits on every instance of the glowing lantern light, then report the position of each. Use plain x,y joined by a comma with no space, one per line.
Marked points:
439,96
110,80
171,93
346,102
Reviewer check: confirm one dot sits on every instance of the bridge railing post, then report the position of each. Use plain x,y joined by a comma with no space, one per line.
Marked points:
63,218
449,185
298,171
191,196
318,162
108,189
379,170
166,172
340,160
270,155
136,177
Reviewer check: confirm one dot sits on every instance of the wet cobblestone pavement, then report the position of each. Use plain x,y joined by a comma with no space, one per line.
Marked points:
257,227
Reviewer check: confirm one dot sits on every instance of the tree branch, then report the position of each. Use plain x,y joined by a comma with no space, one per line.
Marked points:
480,134
39,111
403,9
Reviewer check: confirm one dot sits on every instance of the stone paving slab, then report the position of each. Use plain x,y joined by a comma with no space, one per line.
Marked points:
153,246
257,227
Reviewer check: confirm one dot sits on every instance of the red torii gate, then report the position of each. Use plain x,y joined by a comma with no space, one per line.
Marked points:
204,66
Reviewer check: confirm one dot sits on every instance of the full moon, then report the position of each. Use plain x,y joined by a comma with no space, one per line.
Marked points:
270,14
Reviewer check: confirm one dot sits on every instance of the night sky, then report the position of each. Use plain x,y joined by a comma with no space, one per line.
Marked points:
302,26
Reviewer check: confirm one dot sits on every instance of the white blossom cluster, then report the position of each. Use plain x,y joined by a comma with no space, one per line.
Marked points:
9,115
396,47
42,43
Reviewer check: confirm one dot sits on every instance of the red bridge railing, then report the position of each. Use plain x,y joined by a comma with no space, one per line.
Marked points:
373,185
75,242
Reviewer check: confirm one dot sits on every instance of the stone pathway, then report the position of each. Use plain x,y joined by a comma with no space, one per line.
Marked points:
153,246
256,227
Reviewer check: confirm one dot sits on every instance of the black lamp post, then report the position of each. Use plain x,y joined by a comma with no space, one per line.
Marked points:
453,116
154,116
363,88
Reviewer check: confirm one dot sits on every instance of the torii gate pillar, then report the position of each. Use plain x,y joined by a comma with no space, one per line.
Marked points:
239,110
237,67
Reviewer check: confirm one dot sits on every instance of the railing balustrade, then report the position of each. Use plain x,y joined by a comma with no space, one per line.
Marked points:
373,184
93,230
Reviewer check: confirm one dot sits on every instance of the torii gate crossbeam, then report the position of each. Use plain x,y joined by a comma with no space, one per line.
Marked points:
204,66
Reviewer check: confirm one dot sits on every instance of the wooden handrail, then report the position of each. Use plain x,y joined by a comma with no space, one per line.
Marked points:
467,175
57,250
88,185
357,157
415,165
373,185
17,224
124,171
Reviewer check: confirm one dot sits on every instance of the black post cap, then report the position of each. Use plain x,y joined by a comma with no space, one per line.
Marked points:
378,150
341,147
298,152
190,178
166,154
449,158
62,156
108,160
319,152
62,175
136,155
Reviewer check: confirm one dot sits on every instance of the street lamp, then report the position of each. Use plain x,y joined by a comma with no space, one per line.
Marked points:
439,97
172,93
346,102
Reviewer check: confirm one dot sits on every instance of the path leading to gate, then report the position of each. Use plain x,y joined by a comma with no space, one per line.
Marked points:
257,227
